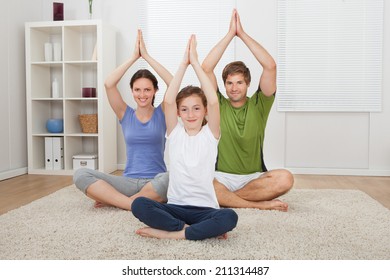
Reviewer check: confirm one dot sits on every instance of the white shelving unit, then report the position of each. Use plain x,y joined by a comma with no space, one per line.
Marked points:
77,68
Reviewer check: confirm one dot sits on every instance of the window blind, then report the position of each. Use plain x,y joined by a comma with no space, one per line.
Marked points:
167,26
330,55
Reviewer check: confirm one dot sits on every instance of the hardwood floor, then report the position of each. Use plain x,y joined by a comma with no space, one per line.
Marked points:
24,189
21,190
376,187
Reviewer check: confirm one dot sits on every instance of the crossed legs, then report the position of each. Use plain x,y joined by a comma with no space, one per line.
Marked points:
106,195
169,221
119,191
259,193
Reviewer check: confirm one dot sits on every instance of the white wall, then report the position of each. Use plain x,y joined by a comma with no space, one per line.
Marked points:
320,143
13,141
313,143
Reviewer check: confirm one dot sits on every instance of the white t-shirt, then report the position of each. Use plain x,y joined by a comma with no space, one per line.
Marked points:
192,166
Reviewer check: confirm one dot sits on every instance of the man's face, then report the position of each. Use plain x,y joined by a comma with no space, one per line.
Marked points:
236,89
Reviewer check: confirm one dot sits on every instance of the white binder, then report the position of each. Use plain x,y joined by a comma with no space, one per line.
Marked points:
49,153
58,153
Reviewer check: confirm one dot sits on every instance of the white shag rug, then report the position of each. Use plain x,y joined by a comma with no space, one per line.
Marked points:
320,225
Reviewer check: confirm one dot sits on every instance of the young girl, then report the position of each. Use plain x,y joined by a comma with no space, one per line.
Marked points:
192,211
144,132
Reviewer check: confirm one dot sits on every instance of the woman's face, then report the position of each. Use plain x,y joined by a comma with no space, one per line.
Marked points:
143,92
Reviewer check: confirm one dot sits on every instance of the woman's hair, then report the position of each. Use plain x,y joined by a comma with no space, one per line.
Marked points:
236,67
144,73
189,91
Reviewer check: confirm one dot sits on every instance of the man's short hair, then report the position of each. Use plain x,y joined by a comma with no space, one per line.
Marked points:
236,67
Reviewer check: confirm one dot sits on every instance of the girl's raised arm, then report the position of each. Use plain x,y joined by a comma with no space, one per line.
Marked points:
208,89
173,90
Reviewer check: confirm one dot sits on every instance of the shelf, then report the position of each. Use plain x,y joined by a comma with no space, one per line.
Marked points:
84,44
79,75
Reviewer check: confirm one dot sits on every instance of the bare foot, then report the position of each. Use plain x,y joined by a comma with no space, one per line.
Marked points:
275,204
160,234
99,204
223,236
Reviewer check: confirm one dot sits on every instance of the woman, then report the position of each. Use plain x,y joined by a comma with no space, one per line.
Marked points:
144,132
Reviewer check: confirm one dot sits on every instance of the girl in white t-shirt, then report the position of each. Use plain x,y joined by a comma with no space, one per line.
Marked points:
192,211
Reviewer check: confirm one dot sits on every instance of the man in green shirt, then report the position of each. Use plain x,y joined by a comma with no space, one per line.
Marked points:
242,180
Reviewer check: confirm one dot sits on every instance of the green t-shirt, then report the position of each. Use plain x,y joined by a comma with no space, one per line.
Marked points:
242,134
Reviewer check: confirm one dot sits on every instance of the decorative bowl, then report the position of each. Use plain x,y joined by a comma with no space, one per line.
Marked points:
55,125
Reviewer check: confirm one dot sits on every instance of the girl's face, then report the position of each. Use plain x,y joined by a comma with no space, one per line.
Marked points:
143,92
192,112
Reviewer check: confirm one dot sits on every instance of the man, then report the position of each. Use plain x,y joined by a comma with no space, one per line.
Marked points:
242,180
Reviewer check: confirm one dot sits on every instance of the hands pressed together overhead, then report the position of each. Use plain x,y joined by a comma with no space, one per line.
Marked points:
190,54
140,47
235,27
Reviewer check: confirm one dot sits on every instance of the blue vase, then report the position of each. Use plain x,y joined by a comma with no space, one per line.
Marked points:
55,125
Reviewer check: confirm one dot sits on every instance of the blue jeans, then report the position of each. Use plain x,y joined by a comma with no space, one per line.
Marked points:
204,222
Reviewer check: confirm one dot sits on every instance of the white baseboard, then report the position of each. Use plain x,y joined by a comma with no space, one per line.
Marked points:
332,171
12,173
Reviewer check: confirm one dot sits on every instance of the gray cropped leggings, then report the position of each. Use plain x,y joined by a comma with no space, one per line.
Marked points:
84,177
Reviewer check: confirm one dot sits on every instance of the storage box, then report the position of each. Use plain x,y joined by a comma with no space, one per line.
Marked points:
85,161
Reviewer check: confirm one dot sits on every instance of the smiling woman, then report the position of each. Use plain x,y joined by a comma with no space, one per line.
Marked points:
144,84
144,132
